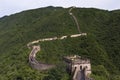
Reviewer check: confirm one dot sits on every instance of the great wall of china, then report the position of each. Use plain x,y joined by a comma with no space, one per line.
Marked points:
43,66
39,65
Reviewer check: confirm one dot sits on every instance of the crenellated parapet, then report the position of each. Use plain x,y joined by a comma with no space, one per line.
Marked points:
37,64
78,67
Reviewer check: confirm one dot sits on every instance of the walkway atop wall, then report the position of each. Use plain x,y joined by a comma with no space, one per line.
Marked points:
39,65
42,66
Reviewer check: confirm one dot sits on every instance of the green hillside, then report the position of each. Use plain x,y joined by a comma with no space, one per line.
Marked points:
101,45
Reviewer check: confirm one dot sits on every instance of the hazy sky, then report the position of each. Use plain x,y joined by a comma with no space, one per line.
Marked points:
8,7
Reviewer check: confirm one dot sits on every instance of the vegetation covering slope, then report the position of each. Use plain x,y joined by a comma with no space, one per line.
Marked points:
101,46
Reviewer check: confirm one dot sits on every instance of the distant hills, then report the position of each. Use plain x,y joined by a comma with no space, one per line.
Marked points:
101,46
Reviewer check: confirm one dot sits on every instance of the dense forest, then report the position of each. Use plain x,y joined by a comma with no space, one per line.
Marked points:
101,45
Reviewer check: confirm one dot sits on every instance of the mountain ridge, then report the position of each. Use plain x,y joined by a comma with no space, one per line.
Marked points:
101,45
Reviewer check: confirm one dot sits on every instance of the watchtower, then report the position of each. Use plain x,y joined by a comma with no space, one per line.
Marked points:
76,64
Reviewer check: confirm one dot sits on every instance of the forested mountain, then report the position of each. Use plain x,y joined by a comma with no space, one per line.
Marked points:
101,45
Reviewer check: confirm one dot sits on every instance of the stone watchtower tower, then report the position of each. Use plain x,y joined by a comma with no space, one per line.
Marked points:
78,67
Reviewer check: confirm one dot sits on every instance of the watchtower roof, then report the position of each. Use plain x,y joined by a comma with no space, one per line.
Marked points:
75,59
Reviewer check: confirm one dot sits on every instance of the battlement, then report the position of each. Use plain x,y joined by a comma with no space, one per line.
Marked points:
75,59
76,64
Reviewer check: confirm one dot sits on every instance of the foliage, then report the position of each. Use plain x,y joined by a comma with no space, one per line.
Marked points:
101,45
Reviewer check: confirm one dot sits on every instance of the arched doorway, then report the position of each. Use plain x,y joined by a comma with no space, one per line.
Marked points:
80,68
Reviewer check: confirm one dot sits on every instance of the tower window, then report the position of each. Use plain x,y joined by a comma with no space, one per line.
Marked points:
80,67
